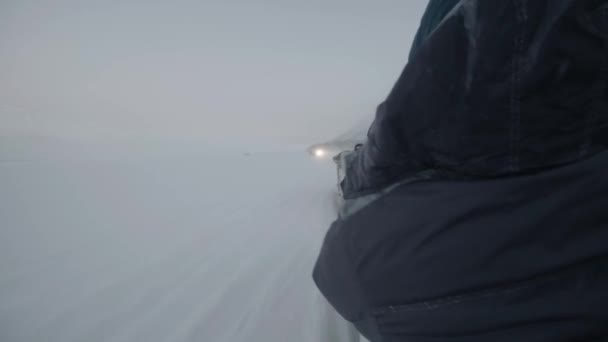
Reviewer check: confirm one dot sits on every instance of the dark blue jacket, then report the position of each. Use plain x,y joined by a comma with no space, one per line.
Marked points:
498,88
435,12
501,234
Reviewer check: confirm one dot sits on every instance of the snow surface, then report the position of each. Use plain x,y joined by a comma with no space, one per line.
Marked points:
203,247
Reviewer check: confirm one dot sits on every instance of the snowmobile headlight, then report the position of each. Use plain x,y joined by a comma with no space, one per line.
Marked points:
320,153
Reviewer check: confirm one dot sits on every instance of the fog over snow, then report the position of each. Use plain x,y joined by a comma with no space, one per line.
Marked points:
154,181
215,70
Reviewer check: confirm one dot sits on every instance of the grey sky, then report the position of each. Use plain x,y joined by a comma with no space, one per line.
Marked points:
279,70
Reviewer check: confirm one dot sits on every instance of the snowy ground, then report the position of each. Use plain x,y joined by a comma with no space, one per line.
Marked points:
205,248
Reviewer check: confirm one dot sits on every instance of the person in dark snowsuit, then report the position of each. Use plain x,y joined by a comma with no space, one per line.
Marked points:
491,158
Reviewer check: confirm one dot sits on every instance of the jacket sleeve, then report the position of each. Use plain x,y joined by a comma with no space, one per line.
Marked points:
377,165
457,104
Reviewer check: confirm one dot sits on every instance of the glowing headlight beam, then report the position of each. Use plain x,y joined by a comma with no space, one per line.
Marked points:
320,153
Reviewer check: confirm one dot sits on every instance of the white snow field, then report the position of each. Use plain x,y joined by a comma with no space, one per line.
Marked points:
208,247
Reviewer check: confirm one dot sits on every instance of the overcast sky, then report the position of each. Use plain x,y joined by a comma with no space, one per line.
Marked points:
216,70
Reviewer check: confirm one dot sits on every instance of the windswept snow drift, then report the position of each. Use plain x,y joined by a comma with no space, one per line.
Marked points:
210,248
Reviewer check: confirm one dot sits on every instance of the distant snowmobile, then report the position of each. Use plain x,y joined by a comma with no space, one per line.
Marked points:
333,148
350,140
